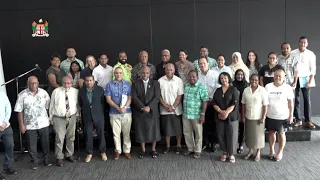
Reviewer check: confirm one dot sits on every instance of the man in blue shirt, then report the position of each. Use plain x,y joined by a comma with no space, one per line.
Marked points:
118,96
6,134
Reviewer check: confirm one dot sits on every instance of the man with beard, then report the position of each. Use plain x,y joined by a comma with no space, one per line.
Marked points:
103,72
289,63
92,103
126,68
204,53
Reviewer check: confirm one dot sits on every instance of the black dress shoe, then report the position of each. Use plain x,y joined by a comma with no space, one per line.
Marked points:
2,177
10,171
240,150
47,163
59,162
71,159
214,148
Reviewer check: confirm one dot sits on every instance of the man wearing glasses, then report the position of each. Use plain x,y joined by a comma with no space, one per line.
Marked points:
63,114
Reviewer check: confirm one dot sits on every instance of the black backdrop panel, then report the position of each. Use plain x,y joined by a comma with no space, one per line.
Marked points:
81,3
262,27
217,27
129,31
85,30
127,2
173,28
158,2
301,21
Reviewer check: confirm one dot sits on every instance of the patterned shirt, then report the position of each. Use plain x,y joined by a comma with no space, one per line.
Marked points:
211,63
290,66
184,72
116,91
34,108
194,95
137,70
126,68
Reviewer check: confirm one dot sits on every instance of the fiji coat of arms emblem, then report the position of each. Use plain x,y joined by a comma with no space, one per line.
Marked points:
40,29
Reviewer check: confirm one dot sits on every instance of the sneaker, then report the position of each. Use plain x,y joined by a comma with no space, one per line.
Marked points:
196,155
104,157
47,163
298,123
88,158
94,133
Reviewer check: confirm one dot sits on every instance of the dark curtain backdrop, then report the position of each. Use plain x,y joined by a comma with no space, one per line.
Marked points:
92,27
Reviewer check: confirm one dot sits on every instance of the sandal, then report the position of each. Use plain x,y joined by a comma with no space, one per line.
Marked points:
271,156
223,157
141,155
248,155
154,154
232,159
257,158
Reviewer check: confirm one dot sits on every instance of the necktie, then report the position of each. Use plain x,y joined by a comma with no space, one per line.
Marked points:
68,116
145,87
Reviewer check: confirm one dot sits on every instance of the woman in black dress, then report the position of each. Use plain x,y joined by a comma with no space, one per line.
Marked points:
240,83
226,104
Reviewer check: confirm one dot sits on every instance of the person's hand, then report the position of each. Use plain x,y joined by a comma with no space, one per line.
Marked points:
22,129
146,109
170,109
294,85
3,126
122,110
243,119
308,84
290,119
262,120
78,118
201,120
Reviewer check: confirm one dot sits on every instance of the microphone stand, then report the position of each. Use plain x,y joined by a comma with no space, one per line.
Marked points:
19,157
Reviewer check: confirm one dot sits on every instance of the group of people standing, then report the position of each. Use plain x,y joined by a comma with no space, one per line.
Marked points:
205,100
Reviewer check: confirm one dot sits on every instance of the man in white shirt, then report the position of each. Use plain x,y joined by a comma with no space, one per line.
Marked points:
171,88
306,70
280,112
103,72
6,134
209,78
32,105
63,114
71,54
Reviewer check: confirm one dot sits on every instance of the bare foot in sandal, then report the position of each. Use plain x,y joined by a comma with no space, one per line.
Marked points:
223,157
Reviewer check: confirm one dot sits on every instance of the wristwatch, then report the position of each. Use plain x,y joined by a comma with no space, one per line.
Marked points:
142,109
173,108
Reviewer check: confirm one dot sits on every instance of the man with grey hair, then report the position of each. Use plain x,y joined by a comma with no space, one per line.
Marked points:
144,61
165,59
31,106
63,113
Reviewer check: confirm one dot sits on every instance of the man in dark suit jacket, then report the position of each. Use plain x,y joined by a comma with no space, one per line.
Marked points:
145,106
92,104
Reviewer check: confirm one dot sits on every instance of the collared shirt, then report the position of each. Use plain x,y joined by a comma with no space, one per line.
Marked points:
65,65
194,96
170,90
117,91
136,71
34,108
183,72
102,75
126,68
306,62
58,102
5,109
89,95
211,63
85,72
290,66
225,68
254,102
210,80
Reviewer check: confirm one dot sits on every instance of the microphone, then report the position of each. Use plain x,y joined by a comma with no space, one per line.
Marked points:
38,67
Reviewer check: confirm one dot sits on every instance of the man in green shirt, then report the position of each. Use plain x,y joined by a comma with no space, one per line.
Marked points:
194,108
204,53
126,68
